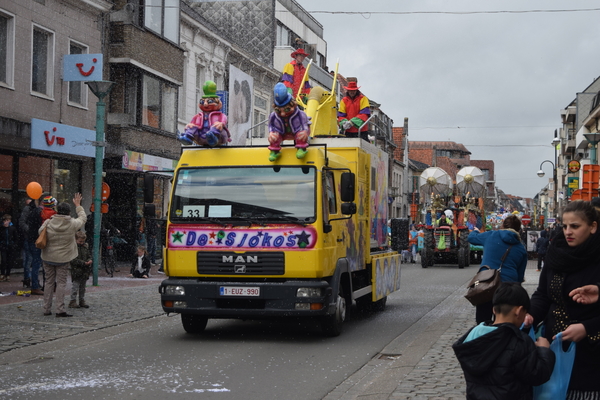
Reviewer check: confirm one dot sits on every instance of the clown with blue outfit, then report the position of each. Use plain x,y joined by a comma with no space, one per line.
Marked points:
209,126
286,122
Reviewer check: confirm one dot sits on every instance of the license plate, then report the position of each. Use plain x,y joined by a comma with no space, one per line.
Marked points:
239,291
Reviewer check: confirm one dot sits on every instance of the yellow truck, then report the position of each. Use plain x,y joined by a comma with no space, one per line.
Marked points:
249,238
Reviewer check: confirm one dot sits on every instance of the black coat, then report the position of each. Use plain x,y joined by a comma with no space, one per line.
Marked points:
9,238
542,245
503,364
568,268
30,222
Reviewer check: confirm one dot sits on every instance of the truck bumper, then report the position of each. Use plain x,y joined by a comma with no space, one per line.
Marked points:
278,299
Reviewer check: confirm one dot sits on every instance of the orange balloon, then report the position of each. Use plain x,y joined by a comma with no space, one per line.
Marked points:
34,190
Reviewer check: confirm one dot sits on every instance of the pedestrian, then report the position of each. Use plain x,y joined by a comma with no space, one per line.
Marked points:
151,232
9,246
420,240
541,248
293,73
140,267
506,243
557,228
413,241
48,207
500,361
573,262
60,249
81,267
354,110
29,224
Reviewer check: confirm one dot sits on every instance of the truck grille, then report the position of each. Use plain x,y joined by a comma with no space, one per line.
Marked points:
248,263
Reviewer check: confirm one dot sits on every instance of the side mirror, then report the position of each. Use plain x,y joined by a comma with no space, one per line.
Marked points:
347,187
348,208
148,188
327,228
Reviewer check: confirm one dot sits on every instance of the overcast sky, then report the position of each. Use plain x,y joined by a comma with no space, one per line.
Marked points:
495,82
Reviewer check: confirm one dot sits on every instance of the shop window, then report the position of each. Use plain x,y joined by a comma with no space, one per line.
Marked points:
66,179
7,50
162,17
77,92
42,61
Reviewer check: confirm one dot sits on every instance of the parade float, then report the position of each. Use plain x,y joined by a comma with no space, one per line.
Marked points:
299,233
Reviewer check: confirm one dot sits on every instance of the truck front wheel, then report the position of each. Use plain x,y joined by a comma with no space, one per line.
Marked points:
332,324
193,323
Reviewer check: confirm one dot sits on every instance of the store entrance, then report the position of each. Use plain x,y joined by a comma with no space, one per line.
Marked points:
122,211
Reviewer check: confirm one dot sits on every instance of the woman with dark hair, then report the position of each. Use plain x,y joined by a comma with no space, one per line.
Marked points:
60,249
572,262
505,242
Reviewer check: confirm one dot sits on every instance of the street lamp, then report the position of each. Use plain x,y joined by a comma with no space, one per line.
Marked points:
593,139
541,174
555,142
100,90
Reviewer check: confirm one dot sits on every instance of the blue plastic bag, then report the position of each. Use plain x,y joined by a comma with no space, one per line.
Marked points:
556,388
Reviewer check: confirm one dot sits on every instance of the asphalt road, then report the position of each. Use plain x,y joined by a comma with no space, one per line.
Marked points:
155,359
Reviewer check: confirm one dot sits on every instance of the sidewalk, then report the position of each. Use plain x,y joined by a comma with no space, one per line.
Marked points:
9,291
22,322
419,364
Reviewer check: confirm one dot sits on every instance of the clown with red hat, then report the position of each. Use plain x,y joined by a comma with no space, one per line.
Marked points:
354,110
293,72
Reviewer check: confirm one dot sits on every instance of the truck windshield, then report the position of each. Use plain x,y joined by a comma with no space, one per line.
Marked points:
284,194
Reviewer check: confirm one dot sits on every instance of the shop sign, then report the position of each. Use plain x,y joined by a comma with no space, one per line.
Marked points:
135,161
82,67
574,166
573,185
59,138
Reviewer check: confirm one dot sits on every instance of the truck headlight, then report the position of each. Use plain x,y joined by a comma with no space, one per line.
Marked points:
175,290
309,292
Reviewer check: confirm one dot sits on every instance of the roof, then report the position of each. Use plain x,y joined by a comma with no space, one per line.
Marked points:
438,145
417,165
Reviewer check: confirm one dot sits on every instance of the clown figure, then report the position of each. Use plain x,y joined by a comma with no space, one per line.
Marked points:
287,121
209,126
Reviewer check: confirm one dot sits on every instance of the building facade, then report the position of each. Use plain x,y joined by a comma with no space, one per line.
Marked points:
35,37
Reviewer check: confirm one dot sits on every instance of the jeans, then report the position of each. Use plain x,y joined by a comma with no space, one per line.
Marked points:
541,258
36,262
27,260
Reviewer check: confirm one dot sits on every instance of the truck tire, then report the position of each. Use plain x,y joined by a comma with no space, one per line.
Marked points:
425,255
332,324
193,323
462,256
379,305
428,248
364,304
464,243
